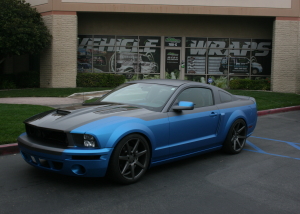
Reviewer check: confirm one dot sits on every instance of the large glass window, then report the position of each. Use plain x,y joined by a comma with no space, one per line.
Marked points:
128,55
221,59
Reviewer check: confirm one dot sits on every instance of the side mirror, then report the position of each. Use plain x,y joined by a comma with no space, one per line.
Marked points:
183,105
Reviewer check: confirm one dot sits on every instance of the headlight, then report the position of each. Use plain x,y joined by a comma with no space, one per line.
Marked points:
89,141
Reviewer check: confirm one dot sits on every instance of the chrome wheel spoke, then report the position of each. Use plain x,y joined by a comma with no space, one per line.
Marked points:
132,171
234,144
136,146
241,129
237,140
232,139
125,168
141,153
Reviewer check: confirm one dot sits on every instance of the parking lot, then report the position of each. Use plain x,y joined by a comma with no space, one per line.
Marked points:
263,178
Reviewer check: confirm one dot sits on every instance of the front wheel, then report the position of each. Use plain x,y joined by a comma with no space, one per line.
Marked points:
130,159
236,137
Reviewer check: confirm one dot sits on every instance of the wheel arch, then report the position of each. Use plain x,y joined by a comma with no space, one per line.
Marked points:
238,114
132,128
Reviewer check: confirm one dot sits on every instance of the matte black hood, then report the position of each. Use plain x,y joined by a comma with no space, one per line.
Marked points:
67,119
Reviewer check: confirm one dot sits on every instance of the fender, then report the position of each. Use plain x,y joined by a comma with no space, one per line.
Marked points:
127,129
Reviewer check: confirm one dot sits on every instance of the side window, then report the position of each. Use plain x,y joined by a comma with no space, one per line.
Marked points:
199,96
225,97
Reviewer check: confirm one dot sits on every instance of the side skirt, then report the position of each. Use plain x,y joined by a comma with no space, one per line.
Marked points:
167,160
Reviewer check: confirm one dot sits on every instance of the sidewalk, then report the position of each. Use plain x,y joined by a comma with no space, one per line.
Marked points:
78,98
54,102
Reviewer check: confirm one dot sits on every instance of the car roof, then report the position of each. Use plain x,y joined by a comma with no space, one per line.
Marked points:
166,82
178,83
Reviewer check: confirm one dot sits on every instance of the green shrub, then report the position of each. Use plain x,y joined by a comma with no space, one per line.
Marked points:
7,84
28,79
99,80
247,84
7,81
20,80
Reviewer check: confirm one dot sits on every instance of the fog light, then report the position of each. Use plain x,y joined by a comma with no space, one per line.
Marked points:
89,141
78,169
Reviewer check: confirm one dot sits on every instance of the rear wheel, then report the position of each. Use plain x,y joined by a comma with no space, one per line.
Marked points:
236,137
130,159
254,71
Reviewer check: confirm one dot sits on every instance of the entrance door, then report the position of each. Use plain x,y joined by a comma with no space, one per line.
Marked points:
173,63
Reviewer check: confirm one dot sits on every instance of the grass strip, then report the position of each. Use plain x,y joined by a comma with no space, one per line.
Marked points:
12,117
270,100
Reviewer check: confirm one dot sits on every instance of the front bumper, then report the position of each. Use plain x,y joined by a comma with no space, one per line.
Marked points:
71,161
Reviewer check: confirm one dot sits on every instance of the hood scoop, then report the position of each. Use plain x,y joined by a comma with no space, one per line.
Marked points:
62,112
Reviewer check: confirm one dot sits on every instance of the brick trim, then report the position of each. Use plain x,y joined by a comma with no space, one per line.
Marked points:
288,18
59,13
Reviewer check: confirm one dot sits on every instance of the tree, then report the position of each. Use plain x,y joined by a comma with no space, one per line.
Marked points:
22,30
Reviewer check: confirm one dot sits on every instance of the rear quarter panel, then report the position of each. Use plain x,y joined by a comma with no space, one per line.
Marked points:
239,109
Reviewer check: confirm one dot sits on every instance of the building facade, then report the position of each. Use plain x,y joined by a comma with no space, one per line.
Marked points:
197,40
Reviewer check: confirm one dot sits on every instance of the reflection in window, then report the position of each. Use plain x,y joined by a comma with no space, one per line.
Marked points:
149,62
127,62
199,96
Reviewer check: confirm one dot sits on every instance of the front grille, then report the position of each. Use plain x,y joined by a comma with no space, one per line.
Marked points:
42,162
54,137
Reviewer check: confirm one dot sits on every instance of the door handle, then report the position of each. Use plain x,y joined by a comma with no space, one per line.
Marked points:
213,114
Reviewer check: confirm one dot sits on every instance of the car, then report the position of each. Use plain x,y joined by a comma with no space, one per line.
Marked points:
82,67
138,125
240,65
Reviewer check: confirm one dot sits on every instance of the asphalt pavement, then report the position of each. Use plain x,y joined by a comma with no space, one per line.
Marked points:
263,178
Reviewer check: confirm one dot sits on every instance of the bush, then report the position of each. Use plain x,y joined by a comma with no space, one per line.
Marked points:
99,80
7,84
247,84
28,80
20,80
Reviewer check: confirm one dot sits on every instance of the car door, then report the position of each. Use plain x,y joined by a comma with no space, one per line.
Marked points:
194,130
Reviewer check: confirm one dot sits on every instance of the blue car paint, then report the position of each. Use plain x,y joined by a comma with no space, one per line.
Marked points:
94,168
110,131
184,103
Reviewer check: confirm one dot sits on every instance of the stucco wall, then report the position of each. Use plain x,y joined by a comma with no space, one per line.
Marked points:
174,25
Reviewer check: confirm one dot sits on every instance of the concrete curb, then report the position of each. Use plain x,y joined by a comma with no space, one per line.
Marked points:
278,110
8,149
13,148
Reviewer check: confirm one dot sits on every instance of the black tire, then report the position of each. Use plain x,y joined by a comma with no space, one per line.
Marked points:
236,137
254,71
225,71
129,160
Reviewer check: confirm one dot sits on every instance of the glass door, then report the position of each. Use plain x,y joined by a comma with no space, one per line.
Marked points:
173,63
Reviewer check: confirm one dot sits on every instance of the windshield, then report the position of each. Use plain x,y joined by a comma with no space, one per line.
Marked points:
151,96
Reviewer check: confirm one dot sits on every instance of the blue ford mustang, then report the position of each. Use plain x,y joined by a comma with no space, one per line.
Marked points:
138,125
